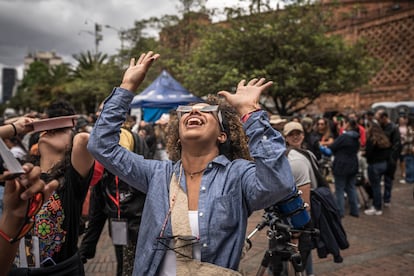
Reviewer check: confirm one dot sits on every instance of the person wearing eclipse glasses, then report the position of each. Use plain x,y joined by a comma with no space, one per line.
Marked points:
198,202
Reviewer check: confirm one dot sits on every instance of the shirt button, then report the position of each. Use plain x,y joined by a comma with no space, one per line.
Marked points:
210,165
200,214
204,245
264,137
203,188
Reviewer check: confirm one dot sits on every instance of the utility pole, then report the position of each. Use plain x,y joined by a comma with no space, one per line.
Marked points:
98,36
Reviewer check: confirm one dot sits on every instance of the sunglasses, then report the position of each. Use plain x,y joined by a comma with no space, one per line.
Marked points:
185,241
33,206
214,109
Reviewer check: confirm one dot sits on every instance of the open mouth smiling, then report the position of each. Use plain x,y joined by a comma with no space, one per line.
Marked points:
194,122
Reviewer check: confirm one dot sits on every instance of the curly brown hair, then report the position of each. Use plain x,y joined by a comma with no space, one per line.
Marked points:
236,145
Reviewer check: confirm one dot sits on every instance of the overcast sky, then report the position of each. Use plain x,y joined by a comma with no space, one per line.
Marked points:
63,25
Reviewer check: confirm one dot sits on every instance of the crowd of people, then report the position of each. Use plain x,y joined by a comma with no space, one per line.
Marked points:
176,194
360,150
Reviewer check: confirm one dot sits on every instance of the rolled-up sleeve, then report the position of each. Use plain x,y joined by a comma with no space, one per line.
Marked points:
271,179
104,142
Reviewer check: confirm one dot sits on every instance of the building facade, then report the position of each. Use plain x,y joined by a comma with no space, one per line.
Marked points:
47,57
388,27
9,81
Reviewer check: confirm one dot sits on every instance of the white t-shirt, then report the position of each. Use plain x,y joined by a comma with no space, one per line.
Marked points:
301,169
168,266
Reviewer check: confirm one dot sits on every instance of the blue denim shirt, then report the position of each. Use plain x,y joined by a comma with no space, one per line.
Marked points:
229,192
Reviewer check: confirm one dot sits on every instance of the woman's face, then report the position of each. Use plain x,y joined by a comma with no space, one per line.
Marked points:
200,120
321,125
295,138
57,140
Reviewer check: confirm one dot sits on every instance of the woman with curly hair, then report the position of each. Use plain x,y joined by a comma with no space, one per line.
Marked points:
198,202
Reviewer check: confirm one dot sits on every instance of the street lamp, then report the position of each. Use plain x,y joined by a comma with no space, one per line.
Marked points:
97,34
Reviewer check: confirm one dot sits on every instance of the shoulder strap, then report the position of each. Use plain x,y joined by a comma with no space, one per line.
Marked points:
97,173
319,178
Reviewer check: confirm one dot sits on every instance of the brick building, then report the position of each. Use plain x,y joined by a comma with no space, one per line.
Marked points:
388,26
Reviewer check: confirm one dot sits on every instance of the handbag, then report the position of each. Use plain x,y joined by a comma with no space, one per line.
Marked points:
181,227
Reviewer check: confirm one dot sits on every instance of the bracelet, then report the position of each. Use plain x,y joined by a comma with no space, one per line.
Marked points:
6,237
247,115
14,128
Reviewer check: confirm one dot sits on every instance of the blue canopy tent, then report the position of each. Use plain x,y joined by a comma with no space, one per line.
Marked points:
161,96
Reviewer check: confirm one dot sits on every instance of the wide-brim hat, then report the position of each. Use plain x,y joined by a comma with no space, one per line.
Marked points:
276,119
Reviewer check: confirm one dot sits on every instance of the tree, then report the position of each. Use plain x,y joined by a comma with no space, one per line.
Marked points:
40,86
289,47
94,77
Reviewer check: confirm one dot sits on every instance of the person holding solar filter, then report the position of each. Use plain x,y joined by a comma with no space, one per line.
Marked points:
50,248
17,126
198,202
22,198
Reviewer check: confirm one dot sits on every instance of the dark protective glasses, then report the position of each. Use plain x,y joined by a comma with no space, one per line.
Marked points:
163,243
33,206
183,109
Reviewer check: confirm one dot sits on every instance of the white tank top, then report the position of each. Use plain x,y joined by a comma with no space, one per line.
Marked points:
168,266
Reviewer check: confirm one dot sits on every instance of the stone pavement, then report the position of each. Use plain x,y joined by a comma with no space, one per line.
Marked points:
379,245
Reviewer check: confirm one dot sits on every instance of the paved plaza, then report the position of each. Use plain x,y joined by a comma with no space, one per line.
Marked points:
379,245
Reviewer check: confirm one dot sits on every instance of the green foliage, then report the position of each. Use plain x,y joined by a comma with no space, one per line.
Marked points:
40,86
95,77
289,47
85,87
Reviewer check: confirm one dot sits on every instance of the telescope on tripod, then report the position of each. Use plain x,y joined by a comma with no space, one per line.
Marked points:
285,220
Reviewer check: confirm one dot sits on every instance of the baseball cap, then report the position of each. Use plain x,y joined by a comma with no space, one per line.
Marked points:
291,126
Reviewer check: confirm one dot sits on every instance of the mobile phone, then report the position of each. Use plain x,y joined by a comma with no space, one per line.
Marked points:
11,163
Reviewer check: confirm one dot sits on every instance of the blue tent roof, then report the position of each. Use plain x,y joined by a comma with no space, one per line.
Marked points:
164,92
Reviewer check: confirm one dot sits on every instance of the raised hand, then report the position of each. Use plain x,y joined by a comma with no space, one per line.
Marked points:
18,191
246,98
136,71
23,125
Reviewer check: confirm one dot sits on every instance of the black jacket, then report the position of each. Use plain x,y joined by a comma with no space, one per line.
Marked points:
345,149
325,216
102,207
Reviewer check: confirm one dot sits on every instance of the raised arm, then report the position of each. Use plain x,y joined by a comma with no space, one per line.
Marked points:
19,126
82,160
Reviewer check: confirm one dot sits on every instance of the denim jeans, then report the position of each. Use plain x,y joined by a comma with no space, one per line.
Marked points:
375,173
388,180
346,183
409,168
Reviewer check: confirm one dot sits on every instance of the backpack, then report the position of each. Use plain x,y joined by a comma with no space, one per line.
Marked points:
131,200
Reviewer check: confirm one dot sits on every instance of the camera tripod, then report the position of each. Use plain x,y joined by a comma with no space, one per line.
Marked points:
281,250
